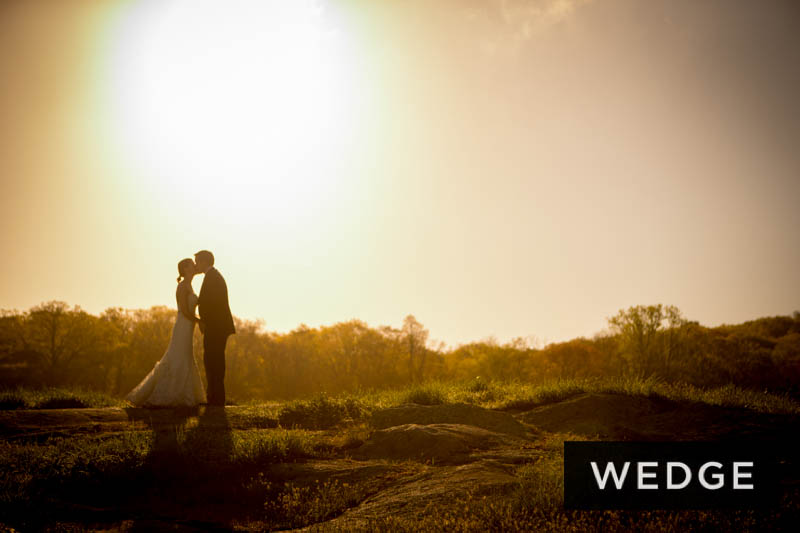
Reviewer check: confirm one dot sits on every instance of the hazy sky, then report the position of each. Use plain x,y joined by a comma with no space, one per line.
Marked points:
496,168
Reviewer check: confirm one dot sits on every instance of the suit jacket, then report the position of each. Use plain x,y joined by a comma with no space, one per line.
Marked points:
212,304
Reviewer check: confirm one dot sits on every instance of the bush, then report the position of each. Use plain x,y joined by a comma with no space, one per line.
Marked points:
478,385
321,412
426,394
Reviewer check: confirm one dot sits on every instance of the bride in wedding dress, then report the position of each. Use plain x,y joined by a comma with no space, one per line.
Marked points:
175,380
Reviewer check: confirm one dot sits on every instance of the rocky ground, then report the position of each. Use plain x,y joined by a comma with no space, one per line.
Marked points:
415,459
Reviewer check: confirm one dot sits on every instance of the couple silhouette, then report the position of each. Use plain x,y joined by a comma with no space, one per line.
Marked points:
175,379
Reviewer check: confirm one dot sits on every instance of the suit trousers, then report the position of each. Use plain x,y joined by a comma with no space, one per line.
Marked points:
214,360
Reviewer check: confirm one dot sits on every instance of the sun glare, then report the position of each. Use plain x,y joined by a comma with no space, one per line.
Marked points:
243,105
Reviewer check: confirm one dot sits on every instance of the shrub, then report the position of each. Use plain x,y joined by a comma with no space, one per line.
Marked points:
478,385
426,394
321,412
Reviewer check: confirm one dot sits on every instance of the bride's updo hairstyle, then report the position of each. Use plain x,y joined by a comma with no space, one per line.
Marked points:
182,264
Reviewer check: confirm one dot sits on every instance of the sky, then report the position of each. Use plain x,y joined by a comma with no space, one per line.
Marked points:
498,169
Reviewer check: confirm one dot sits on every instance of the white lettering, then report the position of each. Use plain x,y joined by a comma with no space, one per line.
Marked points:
687,473
643,474
610,468
737,475
720,478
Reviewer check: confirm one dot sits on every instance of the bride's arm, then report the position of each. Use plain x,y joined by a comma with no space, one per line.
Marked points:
182,296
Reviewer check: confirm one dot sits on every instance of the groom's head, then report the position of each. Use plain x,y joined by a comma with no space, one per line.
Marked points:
204,260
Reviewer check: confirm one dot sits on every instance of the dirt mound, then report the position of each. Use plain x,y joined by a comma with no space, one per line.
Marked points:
461,413
623,417
450,443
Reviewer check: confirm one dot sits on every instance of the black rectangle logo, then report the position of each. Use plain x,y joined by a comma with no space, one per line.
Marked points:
668,475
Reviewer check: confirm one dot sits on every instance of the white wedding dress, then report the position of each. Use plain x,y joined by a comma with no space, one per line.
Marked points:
175,380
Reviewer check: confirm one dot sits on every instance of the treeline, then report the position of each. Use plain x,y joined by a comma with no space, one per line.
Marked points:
54,344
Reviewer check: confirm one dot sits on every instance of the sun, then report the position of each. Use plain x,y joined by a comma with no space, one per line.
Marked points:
243,105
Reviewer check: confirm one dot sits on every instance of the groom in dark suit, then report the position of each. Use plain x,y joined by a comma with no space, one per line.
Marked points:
216,323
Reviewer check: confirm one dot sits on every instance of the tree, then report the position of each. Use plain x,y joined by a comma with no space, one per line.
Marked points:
60,336
244,372
650,338
149,340
18,364
786,357
415,338
121,323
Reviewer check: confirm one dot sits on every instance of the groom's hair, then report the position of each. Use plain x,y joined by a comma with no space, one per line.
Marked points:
204,256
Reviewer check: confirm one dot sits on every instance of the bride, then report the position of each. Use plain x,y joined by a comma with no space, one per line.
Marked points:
175,380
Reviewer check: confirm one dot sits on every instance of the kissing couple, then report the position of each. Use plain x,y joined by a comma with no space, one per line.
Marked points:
175,379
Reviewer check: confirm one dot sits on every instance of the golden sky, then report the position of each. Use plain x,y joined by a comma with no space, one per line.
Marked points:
496,168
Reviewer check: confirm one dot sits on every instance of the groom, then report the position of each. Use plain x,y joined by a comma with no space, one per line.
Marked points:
216,323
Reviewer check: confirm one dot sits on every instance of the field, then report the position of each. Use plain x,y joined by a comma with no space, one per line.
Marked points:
468,456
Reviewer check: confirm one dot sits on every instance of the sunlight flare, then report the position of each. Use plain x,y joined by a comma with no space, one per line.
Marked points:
243,106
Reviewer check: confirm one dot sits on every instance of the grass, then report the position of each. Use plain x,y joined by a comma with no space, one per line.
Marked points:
323,411
55,398
516,396
725,396
210,469
292,506
36,473
173,465
517,512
